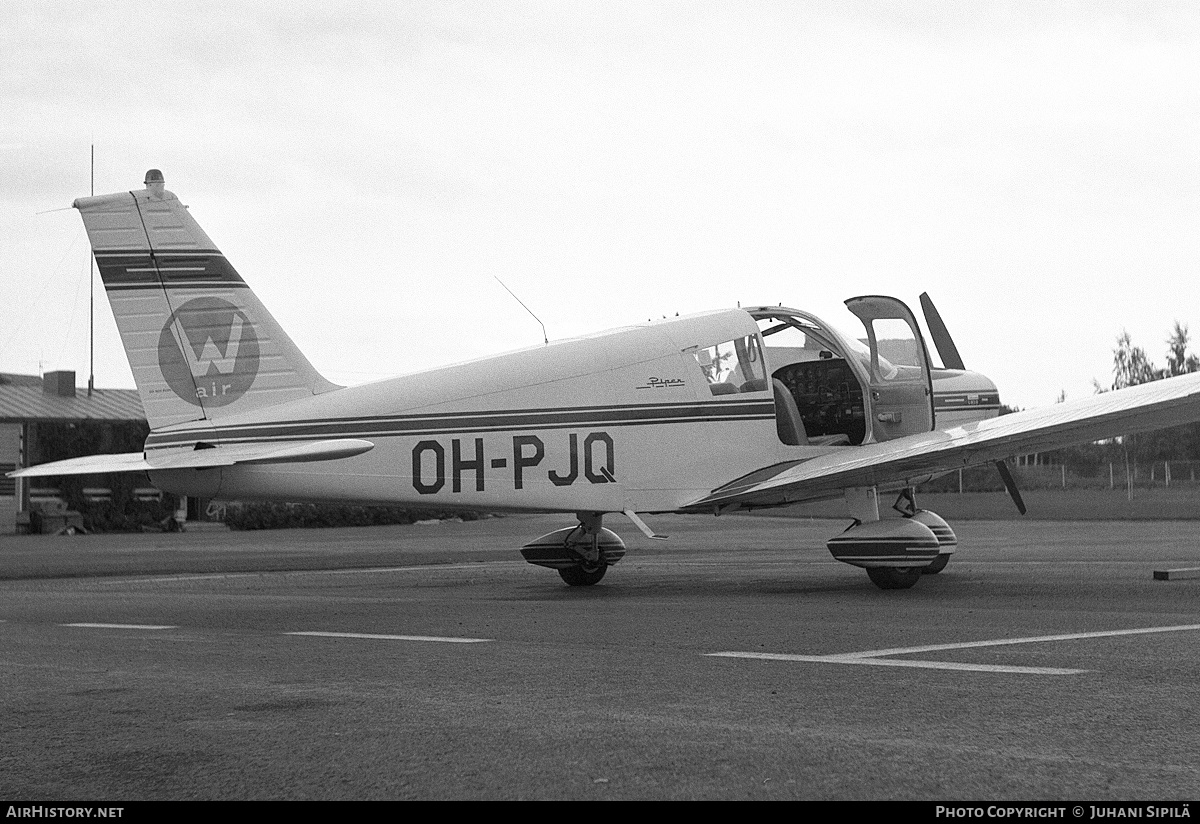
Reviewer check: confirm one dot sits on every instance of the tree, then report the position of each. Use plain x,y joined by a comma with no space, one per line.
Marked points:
1130,368
1130,364
1179,362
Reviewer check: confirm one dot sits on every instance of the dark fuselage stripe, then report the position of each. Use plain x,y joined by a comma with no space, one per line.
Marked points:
955,400
471,423
351,432
666,408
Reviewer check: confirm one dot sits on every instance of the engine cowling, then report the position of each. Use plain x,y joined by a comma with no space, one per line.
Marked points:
894,542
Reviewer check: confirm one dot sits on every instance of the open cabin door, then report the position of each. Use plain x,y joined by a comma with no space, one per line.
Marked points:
901,386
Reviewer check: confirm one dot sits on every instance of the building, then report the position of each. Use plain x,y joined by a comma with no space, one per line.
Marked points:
44,419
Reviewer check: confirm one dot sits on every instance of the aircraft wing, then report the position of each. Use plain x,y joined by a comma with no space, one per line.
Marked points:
244,454
910,460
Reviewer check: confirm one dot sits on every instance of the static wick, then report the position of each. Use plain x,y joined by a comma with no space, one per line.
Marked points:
545,337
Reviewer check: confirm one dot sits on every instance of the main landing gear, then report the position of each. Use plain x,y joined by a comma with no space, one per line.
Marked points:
581,553
895,552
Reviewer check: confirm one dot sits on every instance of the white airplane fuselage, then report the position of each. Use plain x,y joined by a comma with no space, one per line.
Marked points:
620,420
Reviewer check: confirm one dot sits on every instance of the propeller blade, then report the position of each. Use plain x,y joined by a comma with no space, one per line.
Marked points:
1011,485
942,341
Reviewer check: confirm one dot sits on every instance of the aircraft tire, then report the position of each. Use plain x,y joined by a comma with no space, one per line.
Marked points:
939,563
581,576
894,577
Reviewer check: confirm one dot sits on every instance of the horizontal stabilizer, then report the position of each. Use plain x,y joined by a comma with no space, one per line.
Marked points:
202,458
91,465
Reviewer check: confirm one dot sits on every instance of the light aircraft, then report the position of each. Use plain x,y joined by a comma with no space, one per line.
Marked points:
727,410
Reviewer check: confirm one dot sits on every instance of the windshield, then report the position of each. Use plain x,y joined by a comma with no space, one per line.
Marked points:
790,338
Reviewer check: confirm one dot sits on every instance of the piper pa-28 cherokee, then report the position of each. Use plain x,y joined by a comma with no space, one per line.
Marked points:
727,410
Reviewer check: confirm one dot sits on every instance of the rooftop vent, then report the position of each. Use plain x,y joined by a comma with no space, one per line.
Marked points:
60,384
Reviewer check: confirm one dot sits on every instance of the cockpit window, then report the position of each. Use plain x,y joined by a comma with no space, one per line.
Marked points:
734,366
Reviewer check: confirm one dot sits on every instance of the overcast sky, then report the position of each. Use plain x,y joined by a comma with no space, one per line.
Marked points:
369,168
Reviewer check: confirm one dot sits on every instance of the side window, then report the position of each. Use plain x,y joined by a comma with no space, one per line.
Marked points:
734,366
899,351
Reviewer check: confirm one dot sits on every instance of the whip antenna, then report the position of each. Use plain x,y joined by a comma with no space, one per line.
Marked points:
92,299
545,337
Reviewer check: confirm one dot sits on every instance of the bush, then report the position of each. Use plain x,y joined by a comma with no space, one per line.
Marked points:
291,516
127,516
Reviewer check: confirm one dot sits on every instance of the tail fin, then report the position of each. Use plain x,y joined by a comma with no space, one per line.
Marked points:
200,343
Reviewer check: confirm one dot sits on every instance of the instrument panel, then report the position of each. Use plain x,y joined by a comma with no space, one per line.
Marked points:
828,396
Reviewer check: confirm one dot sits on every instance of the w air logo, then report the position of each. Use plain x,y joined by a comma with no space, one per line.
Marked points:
208,352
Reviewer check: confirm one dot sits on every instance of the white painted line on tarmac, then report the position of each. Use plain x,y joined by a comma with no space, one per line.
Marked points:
875,657
120,626
219,577
425,568
227,576
374,637
853,658
1035,639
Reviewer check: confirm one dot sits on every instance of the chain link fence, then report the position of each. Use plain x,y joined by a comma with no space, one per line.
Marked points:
1110,475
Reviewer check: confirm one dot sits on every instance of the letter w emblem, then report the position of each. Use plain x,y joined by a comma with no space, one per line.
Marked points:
210,355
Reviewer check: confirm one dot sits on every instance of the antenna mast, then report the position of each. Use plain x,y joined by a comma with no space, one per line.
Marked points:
545,337
92,298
